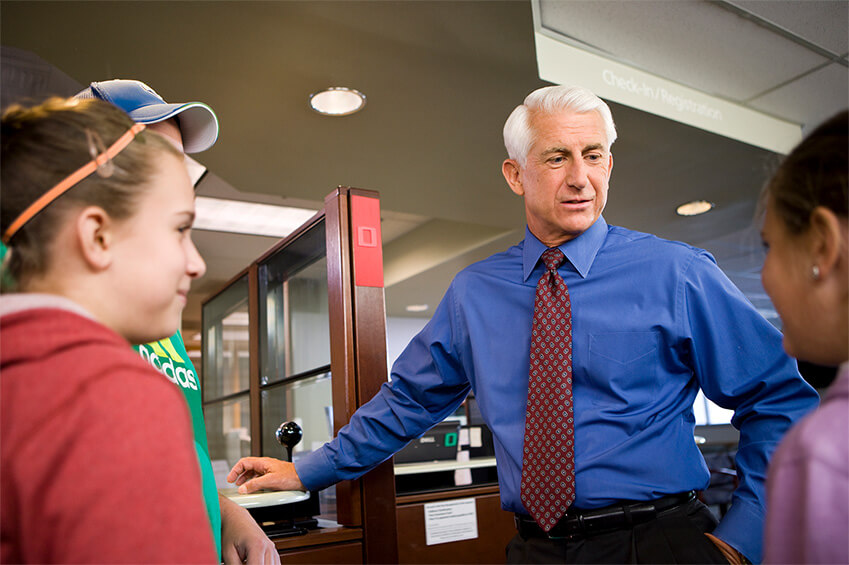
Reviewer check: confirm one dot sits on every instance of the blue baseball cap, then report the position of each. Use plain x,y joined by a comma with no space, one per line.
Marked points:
198,123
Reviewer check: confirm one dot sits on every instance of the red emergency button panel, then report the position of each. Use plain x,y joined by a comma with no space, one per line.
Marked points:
368,250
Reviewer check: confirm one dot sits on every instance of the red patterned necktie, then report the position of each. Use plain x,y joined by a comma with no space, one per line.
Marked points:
548,463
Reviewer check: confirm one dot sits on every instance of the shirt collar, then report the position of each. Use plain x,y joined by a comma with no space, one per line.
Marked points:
13,302
840,387
580,251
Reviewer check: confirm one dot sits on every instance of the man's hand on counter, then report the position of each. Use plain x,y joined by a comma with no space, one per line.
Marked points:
257,473
242,540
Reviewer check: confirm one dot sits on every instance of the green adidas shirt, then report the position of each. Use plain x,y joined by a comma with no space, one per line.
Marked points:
170,358
3,256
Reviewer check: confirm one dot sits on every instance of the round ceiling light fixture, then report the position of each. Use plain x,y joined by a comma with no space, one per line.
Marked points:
694,208
337,101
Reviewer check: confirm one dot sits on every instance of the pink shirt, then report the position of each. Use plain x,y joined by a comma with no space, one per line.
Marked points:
96,450
808,485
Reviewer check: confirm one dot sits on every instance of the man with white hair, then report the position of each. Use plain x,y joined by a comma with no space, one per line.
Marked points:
585,346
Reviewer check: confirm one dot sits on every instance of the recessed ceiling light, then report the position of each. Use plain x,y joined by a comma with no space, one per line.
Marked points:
694,208
337,101
416,308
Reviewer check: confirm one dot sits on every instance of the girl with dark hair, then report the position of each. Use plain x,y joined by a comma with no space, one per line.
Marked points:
98,463
806,273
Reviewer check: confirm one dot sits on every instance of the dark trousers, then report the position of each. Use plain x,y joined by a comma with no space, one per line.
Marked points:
675,536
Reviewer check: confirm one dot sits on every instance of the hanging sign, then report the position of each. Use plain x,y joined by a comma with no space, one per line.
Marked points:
561,63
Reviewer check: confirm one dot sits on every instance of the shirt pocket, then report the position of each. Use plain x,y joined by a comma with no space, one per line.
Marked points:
623,368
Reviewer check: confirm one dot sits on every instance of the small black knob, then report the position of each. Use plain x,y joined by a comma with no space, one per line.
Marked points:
289,434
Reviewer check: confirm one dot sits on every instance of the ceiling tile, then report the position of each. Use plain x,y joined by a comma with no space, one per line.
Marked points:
810,99
823,23
695,43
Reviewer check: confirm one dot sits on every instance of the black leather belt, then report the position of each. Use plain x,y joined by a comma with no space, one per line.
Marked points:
584,523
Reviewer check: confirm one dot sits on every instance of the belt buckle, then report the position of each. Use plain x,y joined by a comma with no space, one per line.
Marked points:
552,536
564,525
567,537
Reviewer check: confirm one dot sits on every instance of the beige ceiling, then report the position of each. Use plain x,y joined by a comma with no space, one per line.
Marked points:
440,77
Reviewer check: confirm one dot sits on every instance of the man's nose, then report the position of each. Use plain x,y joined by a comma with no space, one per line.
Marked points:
576,174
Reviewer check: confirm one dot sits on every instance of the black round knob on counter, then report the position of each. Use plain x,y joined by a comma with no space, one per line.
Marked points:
289,434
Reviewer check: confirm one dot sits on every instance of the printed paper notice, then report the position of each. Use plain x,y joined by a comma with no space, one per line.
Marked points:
452,520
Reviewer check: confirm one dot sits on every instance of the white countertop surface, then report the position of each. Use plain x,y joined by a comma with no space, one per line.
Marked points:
264,498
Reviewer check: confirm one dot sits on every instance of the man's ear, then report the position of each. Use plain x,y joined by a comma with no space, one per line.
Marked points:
510,169
95,236
827,240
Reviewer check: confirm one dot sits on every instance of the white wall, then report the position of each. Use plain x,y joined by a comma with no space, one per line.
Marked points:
399,332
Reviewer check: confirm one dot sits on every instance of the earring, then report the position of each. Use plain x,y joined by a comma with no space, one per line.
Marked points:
815,272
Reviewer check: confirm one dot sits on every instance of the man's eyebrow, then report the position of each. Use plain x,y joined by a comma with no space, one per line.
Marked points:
590,147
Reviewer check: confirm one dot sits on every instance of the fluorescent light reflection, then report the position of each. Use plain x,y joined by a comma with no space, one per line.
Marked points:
236,319
233,216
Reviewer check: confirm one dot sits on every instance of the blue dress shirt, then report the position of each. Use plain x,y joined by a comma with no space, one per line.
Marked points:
653,321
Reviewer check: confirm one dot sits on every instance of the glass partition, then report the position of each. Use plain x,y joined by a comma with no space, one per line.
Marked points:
226,370
309,403
226,359
294,319
228,432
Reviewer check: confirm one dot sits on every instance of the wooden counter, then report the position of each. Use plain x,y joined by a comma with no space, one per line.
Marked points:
495,529
337,544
